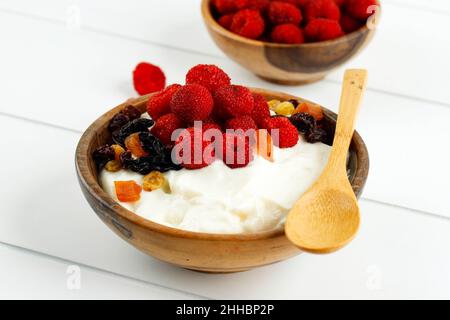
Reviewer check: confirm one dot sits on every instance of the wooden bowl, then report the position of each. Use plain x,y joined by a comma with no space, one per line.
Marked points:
284,63
215,253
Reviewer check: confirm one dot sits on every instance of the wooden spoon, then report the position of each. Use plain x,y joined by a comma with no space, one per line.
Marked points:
326,217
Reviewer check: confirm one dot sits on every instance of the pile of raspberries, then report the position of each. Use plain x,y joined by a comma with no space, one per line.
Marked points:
208,96
292,21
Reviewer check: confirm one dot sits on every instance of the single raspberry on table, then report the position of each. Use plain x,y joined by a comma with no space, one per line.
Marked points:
165,126
192,150
233,101
361,9
327,9
261,110
288,34
159,104
248,23
322,30
283,12
349,24
224,6
284,130
148,78
226,21
243,123
192,102
236,151
209,76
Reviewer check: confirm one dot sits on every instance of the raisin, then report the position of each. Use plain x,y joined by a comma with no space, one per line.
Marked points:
153,181
102,155
131,112
113,166
151,144
317,135
118,121
145,165
294,102
137,125
304,122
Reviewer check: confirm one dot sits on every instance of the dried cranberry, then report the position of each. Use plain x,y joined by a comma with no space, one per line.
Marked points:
316,135
304,122
102,155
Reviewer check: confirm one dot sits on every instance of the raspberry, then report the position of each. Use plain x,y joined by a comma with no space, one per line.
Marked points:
282,13
287,33
148,78
349,24
192,102
165,126
236,151
209,76
287,134
159,104
233,101
322,30
201,152
327,9
361,9
226,21
248,23
243,123
261,110
259,5
224,6
340,3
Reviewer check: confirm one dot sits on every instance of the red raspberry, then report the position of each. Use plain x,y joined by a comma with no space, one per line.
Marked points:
224,6
361,9
209,76
349,24
340,3
211,125
243,123
201,152
233,101
159,104
192,102
282,13
165,126
261,110
226,21
287,33
236,151
148,78
322,30
287,134
259,5
248,23
327,9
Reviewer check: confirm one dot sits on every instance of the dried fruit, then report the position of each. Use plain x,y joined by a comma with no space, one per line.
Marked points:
118,150
317,135
137,125
285,109
273,104
314,110
113,166
153,181
102,155
152,144
127,191
304,122
133,144
131,112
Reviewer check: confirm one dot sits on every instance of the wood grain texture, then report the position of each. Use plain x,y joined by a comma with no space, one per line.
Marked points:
290,64
326,217
197,251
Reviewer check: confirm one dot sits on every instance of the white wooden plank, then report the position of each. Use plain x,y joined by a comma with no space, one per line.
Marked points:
397,254
27,275
403,57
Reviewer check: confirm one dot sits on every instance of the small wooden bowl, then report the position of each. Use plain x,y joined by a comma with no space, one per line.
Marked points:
284,63
205,252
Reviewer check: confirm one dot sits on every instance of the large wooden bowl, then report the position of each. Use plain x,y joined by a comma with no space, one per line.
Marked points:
284,63
197,251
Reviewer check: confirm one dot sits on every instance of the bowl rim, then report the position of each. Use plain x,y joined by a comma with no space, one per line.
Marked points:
90,180
211,22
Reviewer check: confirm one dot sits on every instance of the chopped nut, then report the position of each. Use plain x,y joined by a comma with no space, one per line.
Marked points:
153,181
113,166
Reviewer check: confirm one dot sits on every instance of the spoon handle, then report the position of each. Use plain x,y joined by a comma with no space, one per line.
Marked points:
352,92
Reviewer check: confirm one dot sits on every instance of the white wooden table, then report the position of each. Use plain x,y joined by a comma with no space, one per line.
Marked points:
63,63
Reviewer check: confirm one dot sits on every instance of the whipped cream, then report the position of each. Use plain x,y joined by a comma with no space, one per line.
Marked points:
217,199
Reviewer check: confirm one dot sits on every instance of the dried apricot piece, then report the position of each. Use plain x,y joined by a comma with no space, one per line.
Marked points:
264,144
113,166
153,181
128,191
118,150
314,110
133,144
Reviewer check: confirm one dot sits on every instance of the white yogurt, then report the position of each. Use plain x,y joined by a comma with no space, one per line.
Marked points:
217,199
